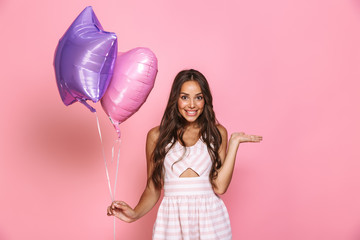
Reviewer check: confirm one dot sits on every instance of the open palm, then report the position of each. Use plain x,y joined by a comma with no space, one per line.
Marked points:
241,137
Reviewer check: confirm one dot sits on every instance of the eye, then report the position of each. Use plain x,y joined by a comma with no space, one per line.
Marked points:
183,97
199,98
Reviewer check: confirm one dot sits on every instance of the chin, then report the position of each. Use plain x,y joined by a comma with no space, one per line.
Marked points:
191,119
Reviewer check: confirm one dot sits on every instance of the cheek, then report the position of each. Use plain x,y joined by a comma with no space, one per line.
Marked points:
201,104
180,104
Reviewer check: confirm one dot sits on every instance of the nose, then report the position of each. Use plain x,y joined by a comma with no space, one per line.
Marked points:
192,103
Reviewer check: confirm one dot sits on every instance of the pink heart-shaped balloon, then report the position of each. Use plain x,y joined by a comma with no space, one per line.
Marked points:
133,78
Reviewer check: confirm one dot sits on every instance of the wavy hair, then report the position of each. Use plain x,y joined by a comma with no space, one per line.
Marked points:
172,127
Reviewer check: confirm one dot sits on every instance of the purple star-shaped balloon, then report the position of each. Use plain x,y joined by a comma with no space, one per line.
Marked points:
84,60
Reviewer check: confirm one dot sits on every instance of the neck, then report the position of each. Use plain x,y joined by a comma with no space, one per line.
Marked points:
191,125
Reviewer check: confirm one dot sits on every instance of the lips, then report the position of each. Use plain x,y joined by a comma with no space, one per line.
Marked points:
191,112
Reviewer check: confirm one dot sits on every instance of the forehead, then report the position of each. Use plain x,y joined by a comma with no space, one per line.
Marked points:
191,87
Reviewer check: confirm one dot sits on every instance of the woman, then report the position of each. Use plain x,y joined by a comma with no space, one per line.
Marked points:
188,157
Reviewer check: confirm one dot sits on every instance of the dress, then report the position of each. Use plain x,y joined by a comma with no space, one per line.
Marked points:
190,210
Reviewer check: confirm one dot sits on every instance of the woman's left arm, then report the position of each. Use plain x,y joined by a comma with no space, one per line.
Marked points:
228,157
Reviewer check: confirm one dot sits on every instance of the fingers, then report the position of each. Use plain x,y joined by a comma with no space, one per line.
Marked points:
242,137
254,138
109,211
113,204
116,205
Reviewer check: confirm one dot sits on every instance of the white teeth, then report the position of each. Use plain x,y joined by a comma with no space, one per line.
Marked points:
191,112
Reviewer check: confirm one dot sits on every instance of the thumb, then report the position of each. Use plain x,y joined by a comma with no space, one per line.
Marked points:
120,204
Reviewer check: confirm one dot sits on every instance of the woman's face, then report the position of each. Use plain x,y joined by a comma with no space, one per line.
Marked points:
191,101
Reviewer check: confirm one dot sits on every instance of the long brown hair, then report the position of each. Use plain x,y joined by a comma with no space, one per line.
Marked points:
172,126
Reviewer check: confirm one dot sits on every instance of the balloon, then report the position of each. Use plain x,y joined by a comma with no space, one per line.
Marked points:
134,75
84,60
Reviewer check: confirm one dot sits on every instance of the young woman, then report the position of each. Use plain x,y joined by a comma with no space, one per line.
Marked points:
187,156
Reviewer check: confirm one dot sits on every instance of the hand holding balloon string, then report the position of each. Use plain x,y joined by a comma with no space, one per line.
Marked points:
122,211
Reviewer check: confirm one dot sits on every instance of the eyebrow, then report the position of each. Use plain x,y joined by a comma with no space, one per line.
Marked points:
189,94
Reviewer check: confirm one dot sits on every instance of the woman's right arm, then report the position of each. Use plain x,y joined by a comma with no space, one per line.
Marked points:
150,195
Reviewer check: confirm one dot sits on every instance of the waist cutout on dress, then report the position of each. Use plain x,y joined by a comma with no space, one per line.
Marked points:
188,186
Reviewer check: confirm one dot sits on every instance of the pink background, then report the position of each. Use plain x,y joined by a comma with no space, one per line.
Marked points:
286,70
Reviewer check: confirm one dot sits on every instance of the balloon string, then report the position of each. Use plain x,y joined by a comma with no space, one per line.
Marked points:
114,228
117,142
103,152
117,170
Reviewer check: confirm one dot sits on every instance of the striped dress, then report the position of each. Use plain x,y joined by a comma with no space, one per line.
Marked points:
190,210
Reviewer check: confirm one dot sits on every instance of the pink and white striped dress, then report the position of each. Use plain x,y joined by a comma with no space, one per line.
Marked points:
190,209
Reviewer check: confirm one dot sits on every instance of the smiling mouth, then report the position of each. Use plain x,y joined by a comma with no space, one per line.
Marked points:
191,112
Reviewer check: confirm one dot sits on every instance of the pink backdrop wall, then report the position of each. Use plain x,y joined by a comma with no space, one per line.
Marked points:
287,70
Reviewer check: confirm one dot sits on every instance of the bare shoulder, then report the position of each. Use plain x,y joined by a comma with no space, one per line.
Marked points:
153,134
222,130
